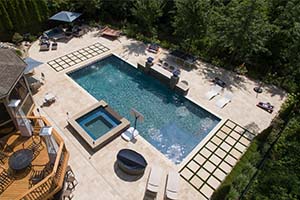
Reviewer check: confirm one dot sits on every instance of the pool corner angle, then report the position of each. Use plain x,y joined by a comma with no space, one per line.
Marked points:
108,117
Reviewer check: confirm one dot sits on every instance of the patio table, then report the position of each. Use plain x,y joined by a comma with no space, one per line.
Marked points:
20,159
49,97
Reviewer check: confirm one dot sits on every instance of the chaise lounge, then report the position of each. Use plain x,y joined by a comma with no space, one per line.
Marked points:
172,187
224,100
154,180
215,90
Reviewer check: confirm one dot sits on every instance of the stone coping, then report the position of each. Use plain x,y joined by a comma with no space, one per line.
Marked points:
107,137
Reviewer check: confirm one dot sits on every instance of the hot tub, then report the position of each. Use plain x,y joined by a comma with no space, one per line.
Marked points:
98,124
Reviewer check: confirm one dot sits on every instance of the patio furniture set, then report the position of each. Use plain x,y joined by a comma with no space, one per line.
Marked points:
216,90
133,163
71,181
155,180
109,32
219,85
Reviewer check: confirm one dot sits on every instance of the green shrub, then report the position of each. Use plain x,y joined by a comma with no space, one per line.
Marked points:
240,182
233,194
221,192
17,38
32,38
19,52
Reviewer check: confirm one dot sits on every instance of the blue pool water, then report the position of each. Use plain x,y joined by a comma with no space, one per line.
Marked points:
173,124
97,122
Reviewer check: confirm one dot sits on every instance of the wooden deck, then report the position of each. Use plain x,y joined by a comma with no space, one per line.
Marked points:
16,186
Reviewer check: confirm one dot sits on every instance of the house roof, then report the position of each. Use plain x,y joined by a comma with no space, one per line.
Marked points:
11,68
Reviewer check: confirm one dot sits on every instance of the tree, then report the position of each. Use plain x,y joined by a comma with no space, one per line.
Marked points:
242,29
4,18
17,38
117,10
191,20
89,7
43,10
146,14
11,10
19,15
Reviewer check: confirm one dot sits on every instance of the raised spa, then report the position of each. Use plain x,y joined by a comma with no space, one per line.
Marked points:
98,124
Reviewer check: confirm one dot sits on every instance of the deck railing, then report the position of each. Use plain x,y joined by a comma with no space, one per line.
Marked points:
51,184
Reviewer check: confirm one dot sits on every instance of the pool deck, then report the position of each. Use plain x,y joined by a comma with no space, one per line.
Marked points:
96,173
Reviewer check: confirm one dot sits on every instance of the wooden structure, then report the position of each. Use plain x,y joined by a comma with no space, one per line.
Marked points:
20,187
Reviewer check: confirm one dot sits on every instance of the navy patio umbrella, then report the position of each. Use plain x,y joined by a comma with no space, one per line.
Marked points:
65,16
31,64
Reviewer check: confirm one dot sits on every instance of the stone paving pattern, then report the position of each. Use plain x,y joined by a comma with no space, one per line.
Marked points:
211,164
76,57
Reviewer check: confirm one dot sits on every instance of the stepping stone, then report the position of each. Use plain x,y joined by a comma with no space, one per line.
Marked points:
203,174
186,173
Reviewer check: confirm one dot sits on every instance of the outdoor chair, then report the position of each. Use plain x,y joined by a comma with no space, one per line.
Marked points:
69,171
5,179
38,173
130,134
172,187
36,146
5,147
72,182
44,47
224,100
154,180
49,99
3,157
213,92
67,194
54,46
35,86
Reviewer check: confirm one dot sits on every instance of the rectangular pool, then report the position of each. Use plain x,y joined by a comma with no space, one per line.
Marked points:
173,124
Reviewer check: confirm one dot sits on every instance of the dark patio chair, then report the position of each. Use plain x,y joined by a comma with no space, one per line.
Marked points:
5,179
67,194
38,173
3,157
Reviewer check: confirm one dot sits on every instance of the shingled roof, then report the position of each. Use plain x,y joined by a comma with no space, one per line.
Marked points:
11,68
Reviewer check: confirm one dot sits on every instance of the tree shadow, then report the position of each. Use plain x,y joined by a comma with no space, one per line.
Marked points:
252,127
275,91
126,177
231,79
135,48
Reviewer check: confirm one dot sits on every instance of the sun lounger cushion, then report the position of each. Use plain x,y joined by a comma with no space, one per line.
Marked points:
172,185
213,92
154,179
224,100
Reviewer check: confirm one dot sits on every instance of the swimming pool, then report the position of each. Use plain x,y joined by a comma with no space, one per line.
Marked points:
173,124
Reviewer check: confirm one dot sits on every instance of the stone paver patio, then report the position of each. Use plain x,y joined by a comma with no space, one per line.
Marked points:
96,173
210,165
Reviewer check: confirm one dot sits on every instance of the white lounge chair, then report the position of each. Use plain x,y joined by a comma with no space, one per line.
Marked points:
224,100
130,134
172,187
154,180
215,90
